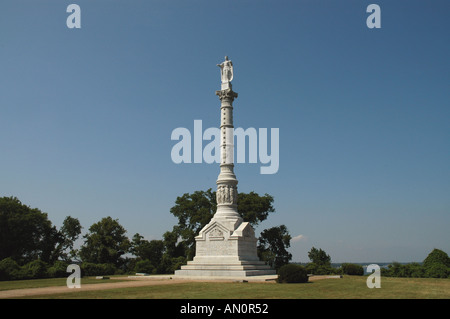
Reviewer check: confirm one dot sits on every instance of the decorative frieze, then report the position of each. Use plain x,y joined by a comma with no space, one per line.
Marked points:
226,194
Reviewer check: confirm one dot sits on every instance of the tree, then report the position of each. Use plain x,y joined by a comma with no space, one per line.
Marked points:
437,264
319,257
254,208
320,263
436,256
70,231
152,251
26,233
105,243
174,252
272,246
193,211
173,247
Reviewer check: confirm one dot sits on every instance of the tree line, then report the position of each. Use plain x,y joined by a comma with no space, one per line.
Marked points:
435,265
32,247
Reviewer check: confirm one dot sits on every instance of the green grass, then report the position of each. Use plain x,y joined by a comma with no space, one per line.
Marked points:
49,282
347,287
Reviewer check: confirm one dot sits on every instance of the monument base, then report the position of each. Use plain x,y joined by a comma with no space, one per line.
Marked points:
236,270
225,248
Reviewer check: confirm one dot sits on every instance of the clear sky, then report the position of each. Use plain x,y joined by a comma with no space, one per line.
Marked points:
86,115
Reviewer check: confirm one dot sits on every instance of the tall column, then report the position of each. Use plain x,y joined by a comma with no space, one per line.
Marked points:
226,194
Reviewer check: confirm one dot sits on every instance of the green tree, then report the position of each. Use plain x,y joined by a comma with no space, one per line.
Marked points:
105,243
272,246
193,211
436,256
173,247
319,257
69,232
152,250
254,208
174,252
26,234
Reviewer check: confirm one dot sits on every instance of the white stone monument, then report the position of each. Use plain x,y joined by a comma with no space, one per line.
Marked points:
226,246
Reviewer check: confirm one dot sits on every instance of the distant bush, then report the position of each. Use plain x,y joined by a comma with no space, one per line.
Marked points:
10,270
58,270
415,270
91,269
397,270
352,269
145,266
170,264
436,265
292,273
437,271
36,269
316,269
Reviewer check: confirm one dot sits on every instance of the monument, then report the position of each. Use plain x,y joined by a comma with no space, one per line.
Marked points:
226,246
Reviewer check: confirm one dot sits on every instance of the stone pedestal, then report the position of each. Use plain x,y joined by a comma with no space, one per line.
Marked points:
226,246
225,252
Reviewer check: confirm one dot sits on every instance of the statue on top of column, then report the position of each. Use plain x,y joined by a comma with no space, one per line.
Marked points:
226,70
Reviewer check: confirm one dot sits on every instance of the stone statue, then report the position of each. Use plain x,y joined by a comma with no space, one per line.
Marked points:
232,195
219,198
227,194
226,70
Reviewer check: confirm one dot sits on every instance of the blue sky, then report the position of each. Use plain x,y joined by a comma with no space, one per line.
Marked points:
86,114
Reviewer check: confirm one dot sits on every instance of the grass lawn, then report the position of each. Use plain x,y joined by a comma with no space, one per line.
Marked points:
49,282
346,287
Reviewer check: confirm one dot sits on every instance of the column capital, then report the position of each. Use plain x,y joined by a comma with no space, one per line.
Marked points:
227,94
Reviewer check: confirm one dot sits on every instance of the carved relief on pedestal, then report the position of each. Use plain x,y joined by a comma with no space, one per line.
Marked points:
226,194
216,234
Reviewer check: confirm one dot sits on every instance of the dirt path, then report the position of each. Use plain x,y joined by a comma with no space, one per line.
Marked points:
132,281
27,292
129,282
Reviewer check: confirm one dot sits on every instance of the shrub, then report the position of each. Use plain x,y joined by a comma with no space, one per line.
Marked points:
352,269
145,266
311,268
411,270
437,271
396,270
58,270
416,270
315,269
10,270
91,269
292,273
170,264
36,269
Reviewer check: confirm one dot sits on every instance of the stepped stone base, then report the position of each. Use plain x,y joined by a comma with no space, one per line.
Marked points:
225,248
235,270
